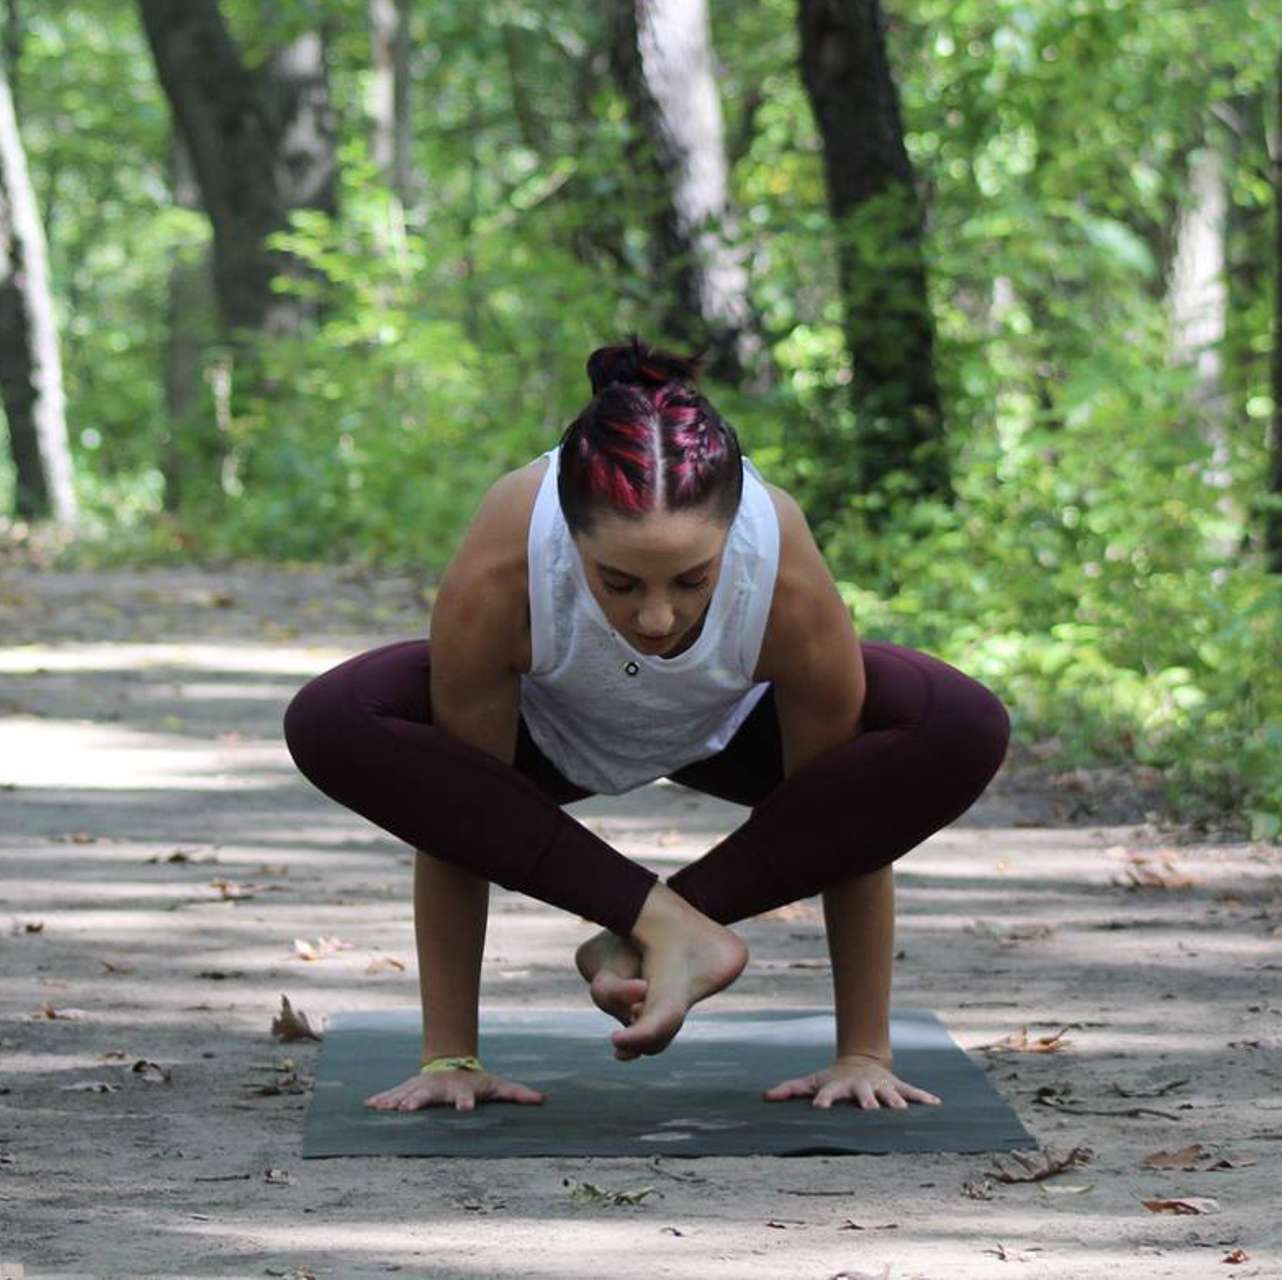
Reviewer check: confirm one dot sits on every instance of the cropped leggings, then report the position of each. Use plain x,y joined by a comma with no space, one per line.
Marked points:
930,742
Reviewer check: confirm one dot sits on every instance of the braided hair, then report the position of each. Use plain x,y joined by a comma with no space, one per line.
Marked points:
647,441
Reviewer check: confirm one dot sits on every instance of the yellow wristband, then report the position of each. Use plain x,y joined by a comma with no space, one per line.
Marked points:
451,1064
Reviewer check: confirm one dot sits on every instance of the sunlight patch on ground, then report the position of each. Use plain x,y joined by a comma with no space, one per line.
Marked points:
44,753
226,656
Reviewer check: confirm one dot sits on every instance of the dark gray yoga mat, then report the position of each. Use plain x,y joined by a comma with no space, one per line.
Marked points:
700,1097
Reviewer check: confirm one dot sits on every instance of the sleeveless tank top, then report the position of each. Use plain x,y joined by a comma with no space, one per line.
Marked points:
610,717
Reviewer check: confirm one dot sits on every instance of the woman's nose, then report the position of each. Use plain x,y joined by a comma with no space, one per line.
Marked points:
656,620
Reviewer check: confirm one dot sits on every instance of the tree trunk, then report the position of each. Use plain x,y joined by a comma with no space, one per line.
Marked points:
899,428
662,57
191,443
30,364
262,144
1198,302
1273,518
389,94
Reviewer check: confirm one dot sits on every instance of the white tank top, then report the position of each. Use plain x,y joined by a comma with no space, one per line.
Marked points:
610,717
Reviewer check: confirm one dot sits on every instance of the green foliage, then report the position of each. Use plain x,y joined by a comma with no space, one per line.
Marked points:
1099,568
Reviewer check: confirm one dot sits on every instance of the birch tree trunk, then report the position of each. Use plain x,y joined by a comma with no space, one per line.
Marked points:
262,144
30,363
1197,300
662,58
389,94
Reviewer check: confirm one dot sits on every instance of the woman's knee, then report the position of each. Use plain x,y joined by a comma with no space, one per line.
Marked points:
315,728
968,731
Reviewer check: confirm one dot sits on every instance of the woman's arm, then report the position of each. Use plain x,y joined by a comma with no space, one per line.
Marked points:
859,913
451,908
475,697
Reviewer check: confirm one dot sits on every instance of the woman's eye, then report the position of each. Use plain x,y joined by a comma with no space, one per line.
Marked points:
685,586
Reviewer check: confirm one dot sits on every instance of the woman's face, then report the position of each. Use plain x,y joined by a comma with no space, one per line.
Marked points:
654,578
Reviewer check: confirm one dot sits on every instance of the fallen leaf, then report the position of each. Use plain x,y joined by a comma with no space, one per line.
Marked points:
292,1024
1238,1255
1185,1158
1182,1204
1041,1164
1018,1042
1010,934
320,948
587,1193
68,1015
152,1072
180,855
113,1055
1148,871
380,964
231,890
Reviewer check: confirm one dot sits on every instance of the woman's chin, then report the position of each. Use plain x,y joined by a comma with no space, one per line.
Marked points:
655,646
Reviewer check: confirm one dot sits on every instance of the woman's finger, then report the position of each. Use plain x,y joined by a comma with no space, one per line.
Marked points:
913,1094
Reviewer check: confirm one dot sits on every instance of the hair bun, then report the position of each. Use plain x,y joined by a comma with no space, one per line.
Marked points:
637,363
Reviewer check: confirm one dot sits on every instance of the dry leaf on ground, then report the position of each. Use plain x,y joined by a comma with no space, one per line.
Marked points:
1010,934
381,964
1182,1204
232,890
291,1023
1018,1042
65,1015
1039,1165
1185,1158
1238,1255
1148,871
587,1193
322,947
152,1072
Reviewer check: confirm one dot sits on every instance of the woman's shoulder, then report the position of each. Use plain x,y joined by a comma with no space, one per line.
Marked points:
804,588
492,558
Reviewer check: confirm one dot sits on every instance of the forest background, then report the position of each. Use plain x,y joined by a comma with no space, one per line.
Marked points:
992,287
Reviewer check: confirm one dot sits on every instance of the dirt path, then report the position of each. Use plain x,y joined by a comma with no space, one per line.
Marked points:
139,721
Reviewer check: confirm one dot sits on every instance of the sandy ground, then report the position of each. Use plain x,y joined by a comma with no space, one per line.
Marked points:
139,721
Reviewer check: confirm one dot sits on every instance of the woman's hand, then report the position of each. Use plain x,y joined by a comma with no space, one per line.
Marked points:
461,1089
860,1078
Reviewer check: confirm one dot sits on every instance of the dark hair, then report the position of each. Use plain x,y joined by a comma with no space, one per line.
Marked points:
647,441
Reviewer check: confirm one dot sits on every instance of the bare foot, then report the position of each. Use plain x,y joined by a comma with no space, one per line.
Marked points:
685,957
611,965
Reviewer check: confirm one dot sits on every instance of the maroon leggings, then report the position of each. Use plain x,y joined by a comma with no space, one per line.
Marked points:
932,739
